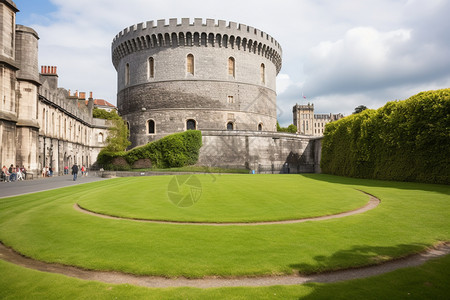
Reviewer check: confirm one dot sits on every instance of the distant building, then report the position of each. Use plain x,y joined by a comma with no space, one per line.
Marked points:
309,123
103,104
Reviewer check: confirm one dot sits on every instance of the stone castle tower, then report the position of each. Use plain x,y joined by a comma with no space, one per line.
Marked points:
310,123
207,76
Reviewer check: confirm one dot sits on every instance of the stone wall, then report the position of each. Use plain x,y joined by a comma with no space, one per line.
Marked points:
264,152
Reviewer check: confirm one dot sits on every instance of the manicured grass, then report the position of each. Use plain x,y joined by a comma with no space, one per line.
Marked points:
223,198
429,281
46,227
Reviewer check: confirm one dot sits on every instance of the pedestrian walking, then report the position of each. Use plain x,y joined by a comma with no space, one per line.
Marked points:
75,172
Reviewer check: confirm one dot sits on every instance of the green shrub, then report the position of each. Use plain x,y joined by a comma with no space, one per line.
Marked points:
404,140
104,114
175,150
291,128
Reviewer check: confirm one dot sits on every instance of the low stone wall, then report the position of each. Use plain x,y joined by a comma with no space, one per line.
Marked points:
264,152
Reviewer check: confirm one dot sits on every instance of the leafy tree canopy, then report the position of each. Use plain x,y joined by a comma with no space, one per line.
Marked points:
359,109
104,114
291,128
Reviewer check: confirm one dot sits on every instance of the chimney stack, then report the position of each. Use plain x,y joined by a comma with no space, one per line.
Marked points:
51,70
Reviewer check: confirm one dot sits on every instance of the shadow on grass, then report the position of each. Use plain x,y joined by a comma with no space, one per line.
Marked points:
443,189
428,281
357,256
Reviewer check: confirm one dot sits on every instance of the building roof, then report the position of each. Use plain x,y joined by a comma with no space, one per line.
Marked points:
102,102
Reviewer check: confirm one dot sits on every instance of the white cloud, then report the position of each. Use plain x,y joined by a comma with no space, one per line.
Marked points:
340,53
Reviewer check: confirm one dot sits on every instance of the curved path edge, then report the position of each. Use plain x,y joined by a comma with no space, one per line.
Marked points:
414,260
373,202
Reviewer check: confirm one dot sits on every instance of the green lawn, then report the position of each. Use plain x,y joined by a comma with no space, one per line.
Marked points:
222,198
430,281
46,227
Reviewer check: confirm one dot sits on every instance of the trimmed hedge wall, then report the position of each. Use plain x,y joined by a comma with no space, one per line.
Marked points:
175,150
404,141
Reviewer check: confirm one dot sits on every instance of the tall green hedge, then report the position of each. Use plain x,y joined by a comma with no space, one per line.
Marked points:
404,140
175,150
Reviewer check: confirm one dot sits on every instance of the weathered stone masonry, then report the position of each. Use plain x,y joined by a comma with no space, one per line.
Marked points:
232,79
216,77
40,123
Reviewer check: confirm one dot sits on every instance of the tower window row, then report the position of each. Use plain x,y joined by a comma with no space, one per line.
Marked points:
191,124
190,68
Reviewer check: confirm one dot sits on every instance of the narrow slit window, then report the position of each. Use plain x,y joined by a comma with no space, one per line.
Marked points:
127,74
151,68
263,73
231,66
190,64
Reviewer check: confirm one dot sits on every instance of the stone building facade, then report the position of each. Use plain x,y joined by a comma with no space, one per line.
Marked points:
41,124
309,123
204,75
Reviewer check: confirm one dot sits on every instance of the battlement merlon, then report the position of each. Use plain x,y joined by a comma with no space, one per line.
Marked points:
198,25
309,106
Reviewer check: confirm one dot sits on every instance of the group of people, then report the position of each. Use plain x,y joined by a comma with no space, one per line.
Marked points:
76,169
47,172
15,173
12,173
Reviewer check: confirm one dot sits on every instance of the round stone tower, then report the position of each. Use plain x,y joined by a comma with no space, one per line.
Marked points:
207,76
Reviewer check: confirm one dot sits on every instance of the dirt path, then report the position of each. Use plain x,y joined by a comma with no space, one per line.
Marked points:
373,202
10,255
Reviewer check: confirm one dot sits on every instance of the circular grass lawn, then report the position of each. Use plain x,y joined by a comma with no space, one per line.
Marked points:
221,198
45,226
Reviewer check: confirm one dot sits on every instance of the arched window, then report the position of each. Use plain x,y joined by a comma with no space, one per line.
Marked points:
191,124
190,64
230,126
100,137
260,127
127,74
263,73
231,66
151,67
151,126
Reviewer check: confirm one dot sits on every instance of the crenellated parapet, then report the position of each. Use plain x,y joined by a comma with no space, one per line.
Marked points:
161,34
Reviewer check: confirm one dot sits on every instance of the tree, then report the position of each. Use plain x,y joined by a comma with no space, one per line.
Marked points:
104,114
117,139
291,128
359,109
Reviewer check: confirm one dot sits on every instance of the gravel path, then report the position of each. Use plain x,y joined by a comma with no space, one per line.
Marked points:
10,255
373,202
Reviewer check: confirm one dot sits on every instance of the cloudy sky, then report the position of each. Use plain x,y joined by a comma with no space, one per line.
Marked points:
339,54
